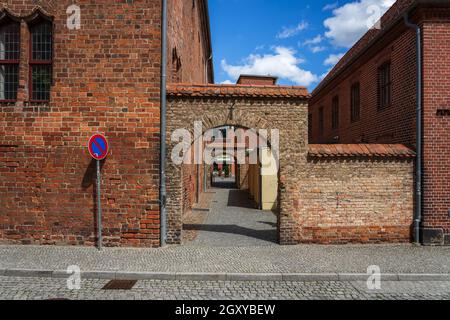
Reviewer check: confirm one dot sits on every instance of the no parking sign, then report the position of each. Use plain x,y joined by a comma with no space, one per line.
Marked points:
98,148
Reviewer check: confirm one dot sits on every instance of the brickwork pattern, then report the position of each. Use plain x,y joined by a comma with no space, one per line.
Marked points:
338,200
397,123
394,124
287,115
106,78
188,52
356,200
436,61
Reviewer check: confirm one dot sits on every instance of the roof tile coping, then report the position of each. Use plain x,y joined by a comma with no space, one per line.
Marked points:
237,90
360,150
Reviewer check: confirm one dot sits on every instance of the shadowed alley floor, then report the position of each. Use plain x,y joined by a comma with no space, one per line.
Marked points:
233,222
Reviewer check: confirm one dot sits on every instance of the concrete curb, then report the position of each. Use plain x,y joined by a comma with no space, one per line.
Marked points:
294,277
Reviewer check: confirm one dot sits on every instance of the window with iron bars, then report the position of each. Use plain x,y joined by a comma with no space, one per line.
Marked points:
310,125
335,113
41,61
355,102
9,60
384,86
321,121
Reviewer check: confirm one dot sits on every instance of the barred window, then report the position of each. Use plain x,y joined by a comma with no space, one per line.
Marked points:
384,86
41,60
9,60
321,122
355,102
310,125
335,113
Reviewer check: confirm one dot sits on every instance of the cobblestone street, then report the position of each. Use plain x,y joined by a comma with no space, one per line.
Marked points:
234,222
46,288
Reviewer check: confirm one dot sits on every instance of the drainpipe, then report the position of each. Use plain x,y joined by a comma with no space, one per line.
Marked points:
207,69
163,150
205,184
418,211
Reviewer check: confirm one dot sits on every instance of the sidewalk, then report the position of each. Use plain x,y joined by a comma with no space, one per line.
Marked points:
299,263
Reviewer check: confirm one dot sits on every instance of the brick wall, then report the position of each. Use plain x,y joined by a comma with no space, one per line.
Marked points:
436,160
356,200
365,199
106,79
242,183
283,108
188,42
395,124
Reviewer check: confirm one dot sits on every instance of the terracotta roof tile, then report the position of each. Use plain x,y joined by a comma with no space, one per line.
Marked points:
217,90
360,150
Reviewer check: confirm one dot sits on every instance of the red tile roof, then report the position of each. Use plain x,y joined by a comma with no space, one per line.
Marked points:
360,150
394,13
252,91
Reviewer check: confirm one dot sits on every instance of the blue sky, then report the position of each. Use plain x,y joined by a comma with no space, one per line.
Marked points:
298,41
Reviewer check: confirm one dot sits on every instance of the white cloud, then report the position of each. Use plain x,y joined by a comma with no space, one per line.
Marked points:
317,49
227,82
316,40
283,64
330,6
290,32
333,59
350,21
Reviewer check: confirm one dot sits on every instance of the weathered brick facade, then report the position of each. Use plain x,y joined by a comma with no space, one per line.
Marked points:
397,123
106,78
436,131
282,108
365,197
189,43
356,199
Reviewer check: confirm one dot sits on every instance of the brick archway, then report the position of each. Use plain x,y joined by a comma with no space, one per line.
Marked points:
281,108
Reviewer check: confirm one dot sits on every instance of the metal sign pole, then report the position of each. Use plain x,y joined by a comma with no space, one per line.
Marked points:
98,147
99,207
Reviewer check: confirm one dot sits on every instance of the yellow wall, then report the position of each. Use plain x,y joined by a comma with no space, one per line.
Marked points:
268,170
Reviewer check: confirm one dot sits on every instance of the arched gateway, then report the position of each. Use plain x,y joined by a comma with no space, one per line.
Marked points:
326,193
258,108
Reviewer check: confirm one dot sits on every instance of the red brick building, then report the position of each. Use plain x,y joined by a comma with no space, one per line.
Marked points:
60,85
370,97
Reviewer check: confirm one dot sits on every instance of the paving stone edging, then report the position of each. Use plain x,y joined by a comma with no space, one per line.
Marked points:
295,277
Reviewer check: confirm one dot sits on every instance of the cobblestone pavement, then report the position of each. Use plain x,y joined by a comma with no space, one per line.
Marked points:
266,259
233,221
44,288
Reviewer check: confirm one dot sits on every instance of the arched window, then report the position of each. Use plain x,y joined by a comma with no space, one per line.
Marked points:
9,58
41,59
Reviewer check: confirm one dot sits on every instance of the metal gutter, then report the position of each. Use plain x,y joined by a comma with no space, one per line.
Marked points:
163,127
418,191
208,38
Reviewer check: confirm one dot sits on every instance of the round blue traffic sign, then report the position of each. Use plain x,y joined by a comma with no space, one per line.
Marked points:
98,147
